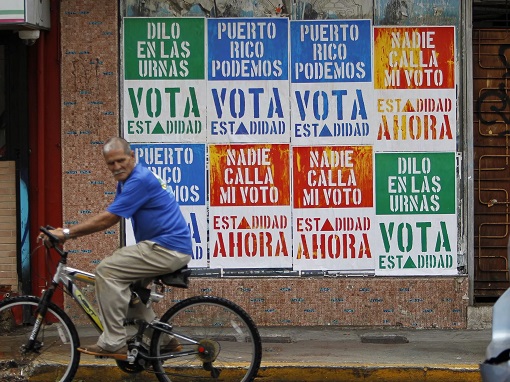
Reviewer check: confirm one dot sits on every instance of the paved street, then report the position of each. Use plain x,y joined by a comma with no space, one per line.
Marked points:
335,354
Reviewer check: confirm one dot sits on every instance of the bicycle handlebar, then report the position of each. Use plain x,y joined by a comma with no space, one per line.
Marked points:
46,230
54,241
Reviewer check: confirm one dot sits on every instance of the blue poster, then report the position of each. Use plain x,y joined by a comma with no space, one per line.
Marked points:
248,49
331,51
180,166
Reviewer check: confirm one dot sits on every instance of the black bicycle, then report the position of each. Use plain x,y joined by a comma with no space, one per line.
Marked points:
219,340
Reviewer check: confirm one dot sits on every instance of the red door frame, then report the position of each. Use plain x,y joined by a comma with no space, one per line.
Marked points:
45,164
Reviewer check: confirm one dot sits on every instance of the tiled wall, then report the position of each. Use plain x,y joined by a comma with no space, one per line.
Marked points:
357,301
90,112
90,115
377,302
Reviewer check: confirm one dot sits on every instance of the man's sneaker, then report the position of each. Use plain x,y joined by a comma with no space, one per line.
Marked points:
98,351
171,347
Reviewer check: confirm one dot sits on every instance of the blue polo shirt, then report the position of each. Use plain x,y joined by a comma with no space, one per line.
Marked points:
154,212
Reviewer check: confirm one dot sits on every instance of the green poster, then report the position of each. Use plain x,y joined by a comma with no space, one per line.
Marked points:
415,183
164,48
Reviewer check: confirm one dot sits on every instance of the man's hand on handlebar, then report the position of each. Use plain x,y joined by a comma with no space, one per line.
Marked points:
57,233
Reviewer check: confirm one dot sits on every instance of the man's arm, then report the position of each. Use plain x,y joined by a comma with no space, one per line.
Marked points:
96,223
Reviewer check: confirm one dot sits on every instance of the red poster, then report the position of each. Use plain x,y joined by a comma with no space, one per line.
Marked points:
414,58
333,176
249,175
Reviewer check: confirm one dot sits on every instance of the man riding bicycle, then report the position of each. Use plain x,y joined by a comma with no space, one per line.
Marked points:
163,245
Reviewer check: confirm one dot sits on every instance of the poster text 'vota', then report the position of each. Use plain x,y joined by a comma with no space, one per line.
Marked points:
261,105
169,111
316,108
420,245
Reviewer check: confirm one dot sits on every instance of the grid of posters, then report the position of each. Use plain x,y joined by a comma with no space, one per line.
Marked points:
324,145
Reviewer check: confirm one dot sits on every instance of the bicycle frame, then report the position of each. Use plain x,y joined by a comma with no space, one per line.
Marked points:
67,276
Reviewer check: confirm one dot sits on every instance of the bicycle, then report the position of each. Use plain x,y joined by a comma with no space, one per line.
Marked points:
218,338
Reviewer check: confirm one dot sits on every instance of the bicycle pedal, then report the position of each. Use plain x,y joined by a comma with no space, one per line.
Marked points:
118,358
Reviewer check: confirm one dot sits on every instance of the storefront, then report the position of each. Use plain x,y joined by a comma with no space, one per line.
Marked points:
323,153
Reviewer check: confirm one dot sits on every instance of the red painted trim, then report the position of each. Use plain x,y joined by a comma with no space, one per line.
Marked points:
45,176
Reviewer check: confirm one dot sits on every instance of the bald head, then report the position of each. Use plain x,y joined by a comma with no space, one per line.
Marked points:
119,158
117,143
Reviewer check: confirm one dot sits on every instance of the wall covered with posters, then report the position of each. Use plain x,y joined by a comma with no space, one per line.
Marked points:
301,143
312,162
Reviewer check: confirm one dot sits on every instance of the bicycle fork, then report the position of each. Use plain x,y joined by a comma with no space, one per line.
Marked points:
42,308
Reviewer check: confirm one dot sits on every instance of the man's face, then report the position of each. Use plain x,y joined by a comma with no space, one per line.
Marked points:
120,164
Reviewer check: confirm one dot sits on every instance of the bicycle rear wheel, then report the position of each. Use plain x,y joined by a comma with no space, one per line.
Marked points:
53,357
228,344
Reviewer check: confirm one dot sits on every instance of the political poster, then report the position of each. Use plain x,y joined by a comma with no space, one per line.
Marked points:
333,200
331,81
322,145
248,91
424,245
249,215
164,94
332,176
420,57
334,240
414,78
415,183
416,220
181,170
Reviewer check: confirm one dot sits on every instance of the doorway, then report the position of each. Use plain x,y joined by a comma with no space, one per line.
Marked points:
491,147
14,153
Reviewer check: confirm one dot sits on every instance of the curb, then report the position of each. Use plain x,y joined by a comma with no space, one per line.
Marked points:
281,372
368,373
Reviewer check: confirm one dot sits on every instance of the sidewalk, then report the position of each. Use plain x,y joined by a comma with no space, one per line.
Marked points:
343,354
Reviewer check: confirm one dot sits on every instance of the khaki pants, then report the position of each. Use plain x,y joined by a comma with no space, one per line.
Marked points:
114,275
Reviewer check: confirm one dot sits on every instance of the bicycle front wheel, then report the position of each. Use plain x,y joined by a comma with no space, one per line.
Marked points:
226,344
52,356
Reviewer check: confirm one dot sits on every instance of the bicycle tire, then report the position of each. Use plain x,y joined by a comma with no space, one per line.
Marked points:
218,325
57,358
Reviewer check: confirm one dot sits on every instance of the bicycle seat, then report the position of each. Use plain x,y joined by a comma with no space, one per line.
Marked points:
178,279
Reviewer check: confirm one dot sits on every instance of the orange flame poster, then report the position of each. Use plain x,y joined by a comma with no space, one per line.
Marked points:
333,176
249,175
414,58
